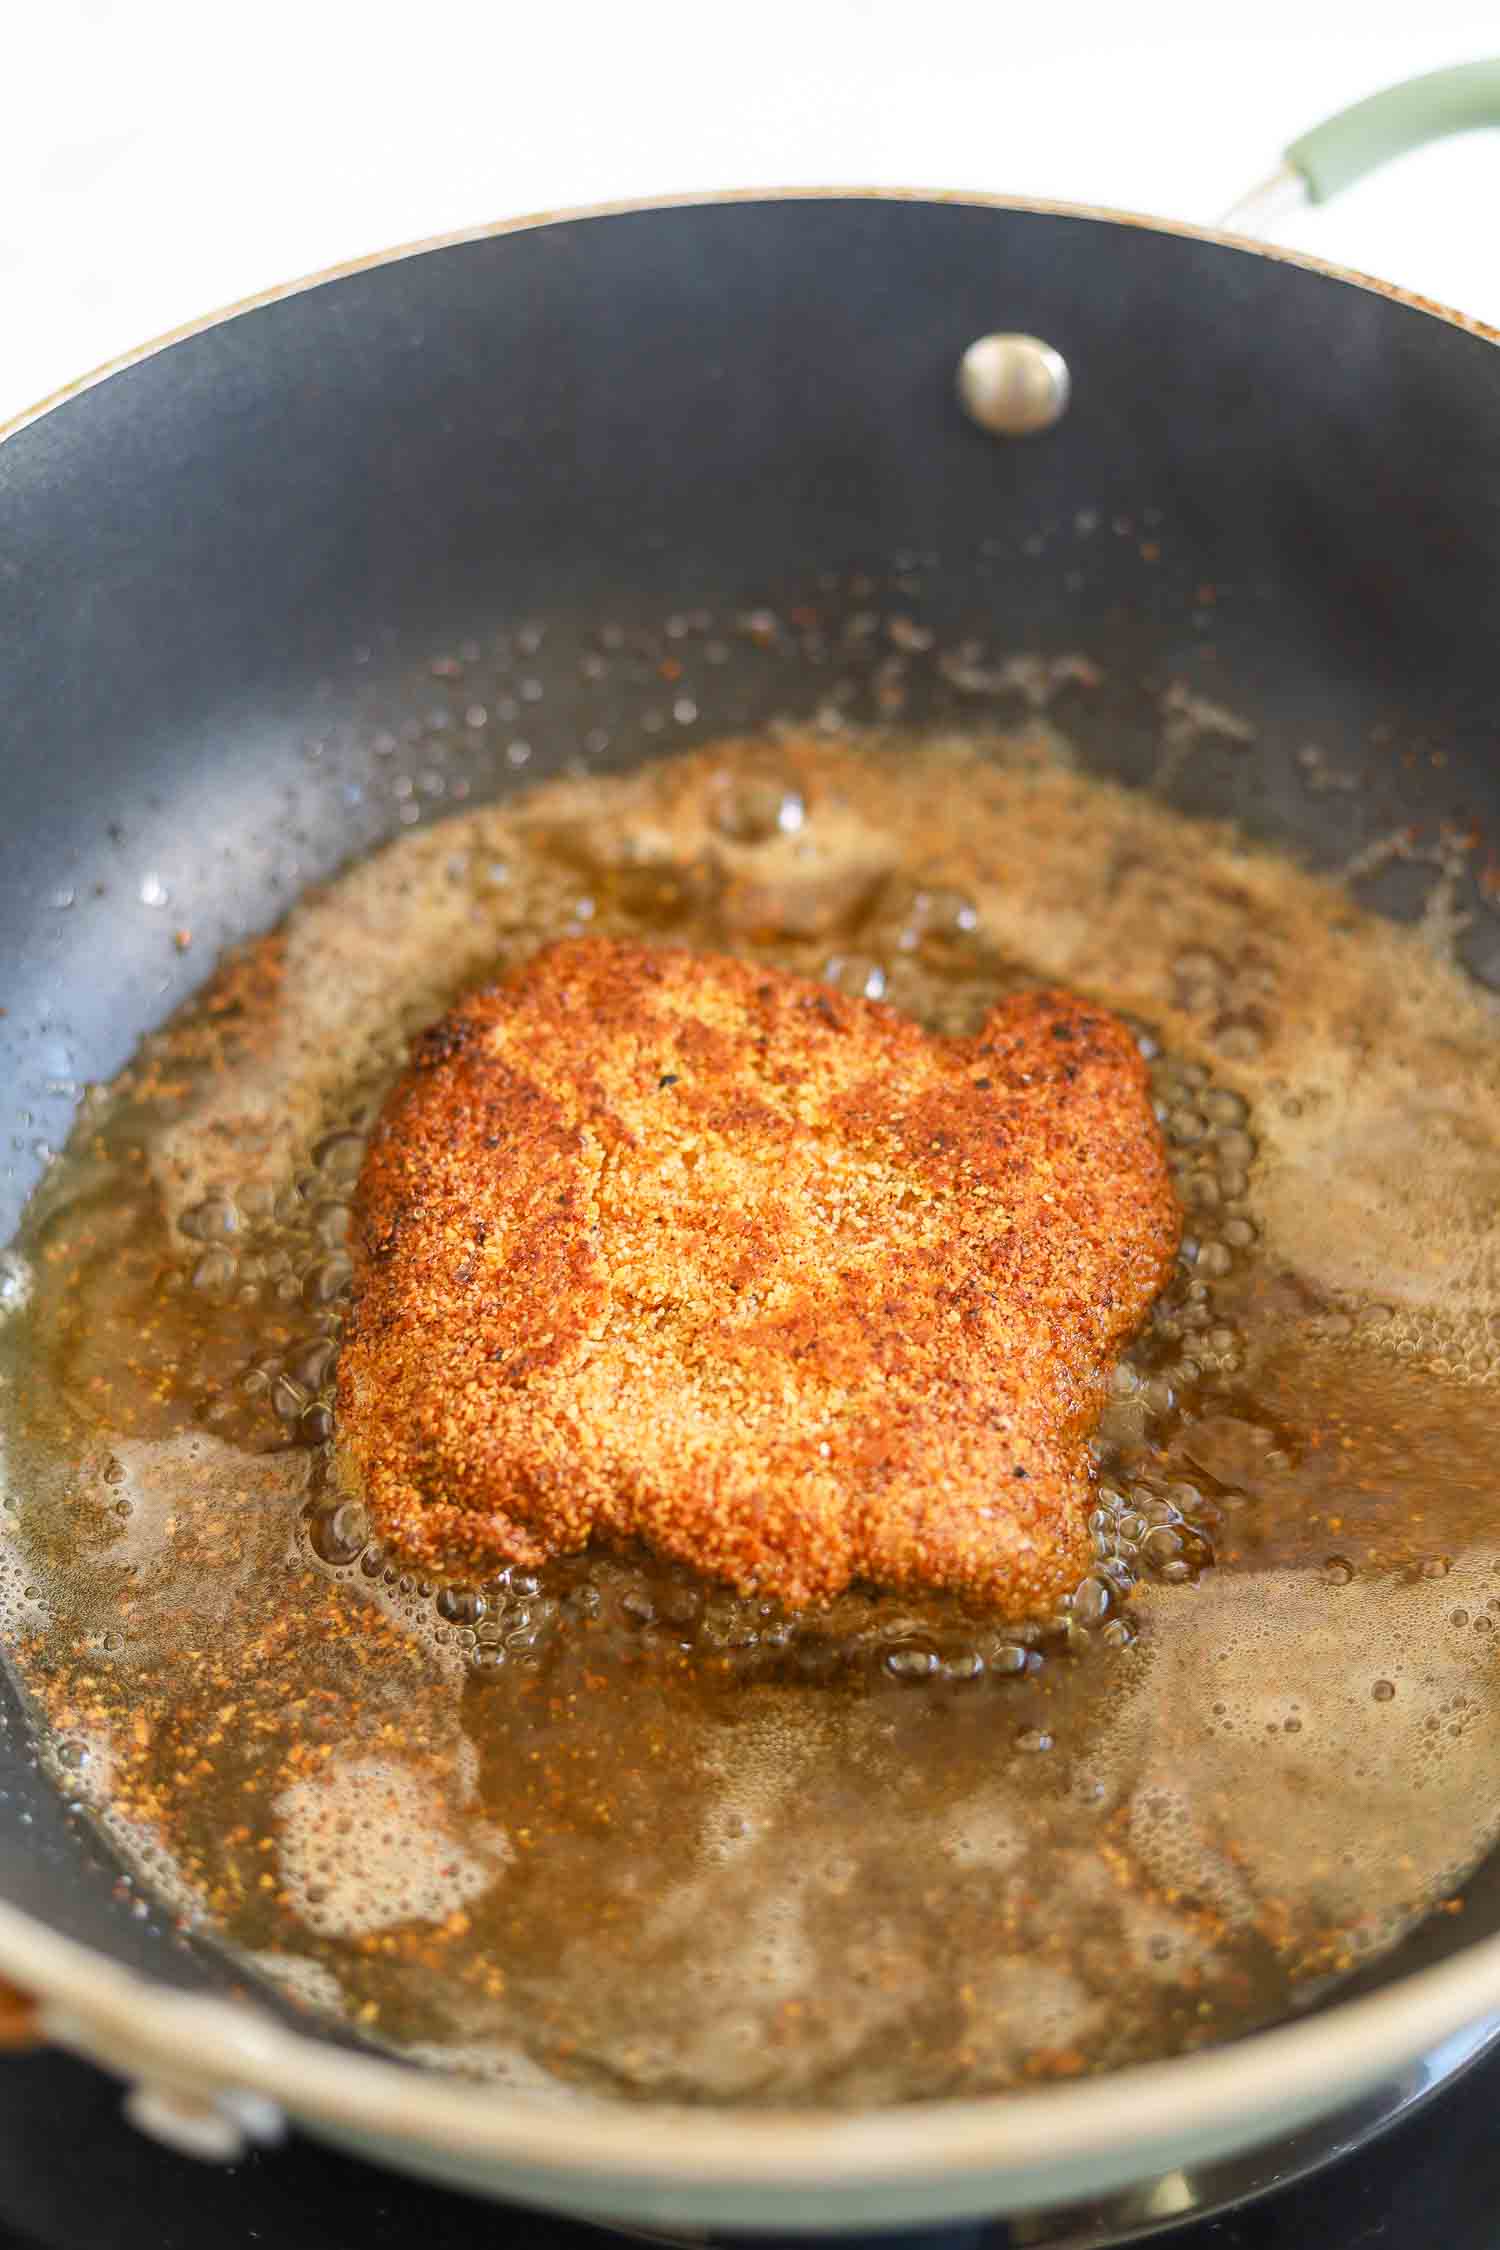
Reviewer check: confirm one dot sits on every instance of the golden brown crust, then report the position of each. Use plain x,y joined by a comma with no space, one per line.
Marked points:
659,1244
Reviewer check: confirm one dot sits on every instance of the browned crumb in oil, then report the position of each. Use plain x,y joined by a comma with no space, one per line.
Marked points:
665,1840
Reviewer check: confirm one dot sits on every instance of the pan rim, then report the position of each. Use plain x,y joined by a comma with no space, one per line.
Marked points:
707,199
1232,2095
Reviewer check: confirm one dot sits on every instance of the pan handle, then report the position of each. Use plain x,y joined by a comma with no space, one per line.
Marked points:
1341,150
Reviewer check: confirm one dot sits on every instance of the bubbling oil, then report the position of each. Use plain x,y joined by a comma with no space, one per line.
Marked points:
607,1827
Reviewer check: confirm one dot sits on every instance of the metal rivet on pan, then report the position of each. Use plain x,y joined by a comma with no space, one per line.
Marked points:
218,2128
1013,386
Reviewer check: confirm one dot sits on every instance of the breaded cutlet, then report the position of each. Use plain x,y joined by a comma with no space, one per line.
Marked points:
656,1244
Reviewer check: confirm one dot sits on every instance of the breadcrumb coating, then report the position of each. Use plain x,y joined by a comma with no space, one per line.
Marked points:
659,1245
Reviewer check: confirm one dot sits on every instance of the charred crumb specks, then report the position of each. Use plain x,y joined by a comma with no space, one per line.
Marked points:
443,1043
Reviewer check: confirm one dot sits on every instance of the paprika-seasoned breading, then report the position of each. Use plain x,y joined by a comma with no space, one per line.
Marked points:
660,1245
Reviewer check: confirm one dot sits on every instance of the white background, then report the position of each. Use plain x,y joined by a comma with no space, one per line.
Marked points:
158,159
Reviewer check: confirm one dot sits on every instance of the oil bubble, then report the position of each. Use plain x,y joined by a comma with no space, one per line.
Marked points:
339,1531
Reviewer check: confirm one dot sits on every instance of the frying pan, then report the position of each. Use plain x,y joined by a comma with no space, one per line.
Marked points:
219,559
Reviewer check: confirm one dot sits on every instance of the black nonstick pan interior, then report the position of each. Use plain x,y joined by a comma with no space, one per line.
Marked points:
228,572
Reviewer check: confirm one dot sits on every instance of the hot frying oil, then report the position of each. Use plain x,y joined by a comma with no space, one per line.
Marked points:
609,1829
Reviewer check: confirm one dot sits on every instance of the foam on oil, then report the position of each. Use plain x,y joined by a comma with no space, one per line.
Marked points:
610,1829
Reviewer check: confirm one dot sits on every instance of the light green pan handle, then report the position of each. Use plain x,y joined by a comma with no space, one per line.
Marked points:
1341,150
1358,140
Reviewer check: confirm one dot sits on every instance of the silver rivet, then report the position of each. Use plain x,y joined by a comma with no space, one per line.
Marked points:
1013,386
217,2128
